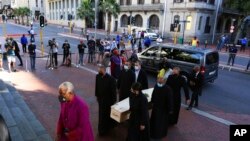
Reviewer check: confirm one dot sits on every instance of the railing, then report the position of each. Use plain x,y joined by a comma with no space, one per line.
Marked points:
144,7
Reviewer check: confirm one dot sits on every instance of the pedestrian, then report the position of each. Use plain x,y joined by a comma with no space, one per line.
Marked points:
248,64
133,43
140,75
66,52
116,63
139,46
81,50
142,34
147,42
73,123
243,44
122,44
165,68
87,34
54,52
106,62
113,45
91,48
17,51
125,81
195,42
196,79
105,92
10,50
32,53
138,128
206,42
232,54
118,39
176,81
1,58
221,42
24,42
162,107
32,35
100,46
123,57
159,40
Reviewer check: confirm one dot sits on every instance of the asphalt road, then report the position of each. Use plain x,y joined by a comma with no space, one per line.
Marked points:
229,93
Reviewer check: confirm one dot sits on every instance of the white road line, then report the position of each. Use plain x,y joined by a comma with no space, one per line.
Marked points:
210,116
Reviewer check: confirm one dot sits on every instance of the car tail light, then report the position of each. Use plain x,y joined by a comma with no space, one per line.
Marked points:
202,69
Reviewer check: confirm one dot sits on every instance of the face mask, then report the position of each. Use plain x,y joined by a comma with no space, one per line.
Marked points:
126,67
137,68
159,85
61,99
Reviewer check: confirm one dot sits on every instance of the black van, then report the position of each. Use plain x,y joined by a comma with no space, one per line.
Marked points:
185,57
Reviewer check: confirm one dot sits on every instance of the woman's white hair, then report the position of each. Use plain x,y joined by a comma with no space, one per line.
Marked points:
68,86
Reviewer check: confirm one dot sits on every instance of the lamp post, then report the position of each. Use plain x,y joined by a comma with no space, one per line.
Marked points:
164,18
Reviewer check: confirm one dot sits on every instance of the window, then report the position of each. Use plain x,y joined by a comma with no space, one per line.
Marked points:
187,56
77,3
212,58
207,26
63,2
41,3
121,2
124,21
154,22
138,20
36,3
128,2
140,1
72,4
200,21
56,4
152,52
165,52
155,1
188,24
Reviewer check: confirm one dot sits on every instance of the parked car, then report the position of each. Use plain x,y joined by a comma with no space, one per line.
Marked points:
148,32
185,57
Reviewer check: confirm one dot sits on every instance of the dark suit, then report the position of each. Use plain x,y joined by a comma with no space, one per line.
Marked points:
143,79
196,87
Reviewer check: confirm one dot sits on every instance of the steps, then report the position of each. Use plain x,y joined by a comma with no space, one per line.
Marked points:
21,121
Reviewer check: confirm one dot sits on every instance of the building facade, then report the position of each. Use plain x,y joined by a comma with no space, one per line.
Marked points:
37,7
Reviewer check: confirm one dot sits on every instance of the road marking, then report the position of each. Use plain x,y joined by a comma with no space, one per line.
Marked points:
210,116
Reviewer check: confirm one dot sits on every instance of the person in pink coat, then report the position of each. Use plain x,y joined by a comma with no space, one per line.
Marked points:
73,123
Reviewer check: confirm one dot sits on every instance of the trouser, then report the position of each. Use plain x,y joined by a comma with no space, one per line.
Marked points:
248,64
24,48
32,62
19,58
243,48
81,55
231,57
54,57
194,99
65,55
91,56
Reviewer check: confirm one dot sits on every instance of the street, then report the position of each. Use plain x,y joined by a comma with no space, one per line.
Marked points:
227,98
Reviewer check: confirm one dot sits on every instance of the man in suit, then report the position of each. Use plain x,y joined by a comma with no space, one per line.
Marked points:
196,79
140,75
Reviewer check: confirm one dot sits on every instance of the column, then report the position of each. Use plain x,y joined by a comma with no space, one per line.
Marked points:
74,9
66,9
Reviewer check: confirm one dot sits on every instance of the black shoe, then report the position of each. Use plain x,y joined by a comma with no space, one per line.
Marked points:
189,108
20,65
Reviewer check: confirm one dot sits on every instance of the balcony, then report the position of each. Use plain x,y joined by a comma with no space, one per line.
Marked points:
144,7
193,5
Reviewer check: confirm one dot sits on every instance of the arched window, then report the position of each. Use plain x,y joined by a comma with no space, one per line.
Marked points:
124,21
154,22
189,23
140,1
138,20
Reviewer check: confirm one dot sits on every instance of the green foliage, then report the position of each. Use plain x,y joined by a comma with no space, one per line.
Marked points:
111,7
242,6
85,11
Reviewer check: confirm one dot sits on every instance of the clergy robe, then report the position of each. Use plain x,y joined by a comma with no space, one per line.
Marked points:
116,63
176,82
139,116
143,79
105,92
124,83
74,118
162,106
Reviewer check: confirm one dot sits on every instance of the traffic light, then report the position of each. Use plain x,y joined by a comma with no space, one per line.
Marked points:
42,21
176,22
133,20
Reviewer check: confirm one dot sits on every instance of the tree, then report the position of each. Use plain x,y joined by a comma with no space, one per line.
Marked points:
26,12
17,15
110,8
86,12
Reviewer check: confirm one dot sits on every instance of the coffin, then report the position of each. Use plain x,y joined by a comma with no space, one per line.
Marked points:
120,111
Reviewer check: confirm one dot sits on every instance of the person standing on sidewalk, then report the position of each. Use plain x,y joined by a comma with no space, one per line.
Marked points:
176,82
32,53
243,44
232,54
10,55
17,51
81,50
91,47
73,123
1,58
248,64
105,92
66,52
54,51
196,86
24,42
